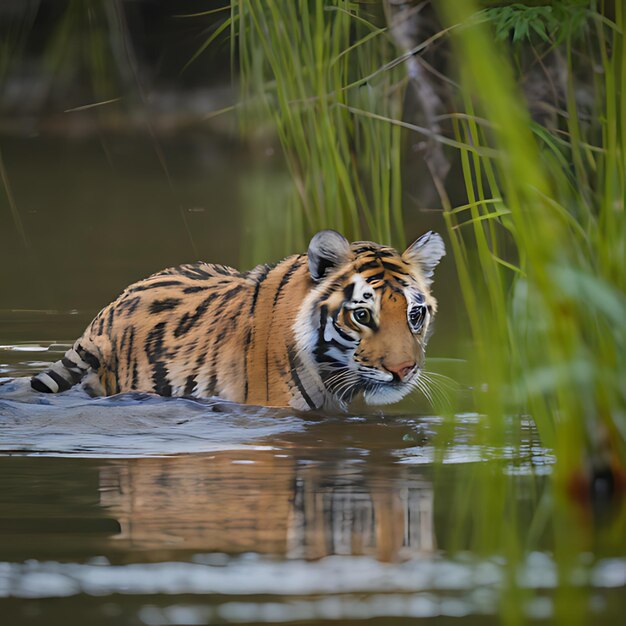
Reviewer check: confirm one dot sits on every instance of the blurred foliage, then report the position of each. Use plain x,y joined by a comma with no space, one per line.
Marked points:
546,325
552,22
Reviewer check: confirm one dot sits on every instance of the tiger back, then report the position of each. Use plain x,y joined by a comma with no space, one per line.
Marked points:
310,332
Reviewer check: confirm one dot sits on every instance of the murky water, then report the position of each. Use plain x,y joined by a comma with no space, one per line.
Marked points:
153,511
142,510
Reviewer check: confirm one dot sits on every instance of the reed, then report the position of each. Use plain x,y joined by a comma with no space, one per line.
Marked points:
303,67
540,249
540,244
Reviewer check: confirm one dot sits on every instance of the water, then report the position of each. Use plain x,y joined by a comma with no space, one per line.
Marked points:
153,511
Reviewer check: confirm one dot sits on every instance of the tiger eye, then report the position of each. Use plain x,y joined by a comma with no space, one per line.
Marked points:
417,315
362,316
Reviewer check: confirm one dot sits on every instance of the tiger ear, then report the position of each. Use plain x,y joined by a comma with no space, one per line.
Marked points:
426,252
327,250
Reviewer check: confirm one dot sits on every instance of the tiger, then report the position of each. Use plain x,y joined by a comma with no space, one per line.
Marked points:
311,332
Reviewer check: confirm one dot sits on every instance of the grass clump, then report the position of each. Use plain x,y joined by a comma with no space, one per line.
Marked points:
540,246
305,67
540,243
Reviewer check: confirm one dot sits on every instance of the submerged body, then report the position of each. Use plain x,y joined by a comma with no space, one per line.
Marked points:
310,332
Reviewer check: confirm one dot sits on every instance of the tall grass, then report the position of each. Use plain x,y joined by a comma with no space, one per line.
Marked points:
540,245
540,248
304,67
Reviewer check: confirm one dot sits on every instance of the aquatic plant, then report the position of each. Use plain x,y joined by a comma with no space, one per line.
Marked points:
540,245
540,251
303,68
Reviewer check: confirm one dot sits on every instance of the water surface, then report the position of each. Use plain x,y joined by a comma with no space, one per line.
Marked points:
144,510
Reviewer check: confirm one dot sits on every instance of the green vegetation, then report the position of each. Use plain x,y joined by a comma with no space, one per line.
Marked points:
317,73
548,325
539,244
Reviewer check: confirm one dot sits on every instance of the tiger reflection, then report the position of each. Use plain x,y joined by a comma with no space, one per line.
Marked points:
260,501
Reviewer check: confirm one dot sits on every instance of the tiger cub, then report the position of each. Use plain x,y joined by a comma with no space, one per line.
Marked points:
310,332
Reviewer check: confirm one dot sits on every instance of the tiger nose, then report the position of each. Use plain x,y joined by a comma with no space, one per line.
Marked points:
401,370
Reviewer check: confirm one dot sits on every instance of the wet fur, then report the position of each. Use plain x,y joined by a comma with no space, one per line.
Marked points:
280,335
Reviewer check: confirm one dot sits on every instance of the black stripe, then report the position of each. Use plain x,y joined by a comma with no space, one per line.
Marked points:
129,305
394,267
267,372
155,346
194,289
155,349
167,304
385,252
195,272
38,385
343,335
64,384
135,376
286,278
246,347
69,364
296,379
110,319
332,286
224,270
160,380
370,265
187,321
212,384
202,354
227,295
129,350
319,352
88,357
259,281
74,371
190,385
155,285
375,277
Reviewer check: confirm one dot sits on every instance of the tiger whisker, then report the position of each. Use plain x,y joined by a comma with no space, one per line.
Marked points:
425,391
337,378
436,388
444,386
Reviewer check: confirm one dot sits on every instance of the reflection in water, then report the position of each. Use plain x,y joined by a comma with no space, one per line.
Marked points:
259,501
227,514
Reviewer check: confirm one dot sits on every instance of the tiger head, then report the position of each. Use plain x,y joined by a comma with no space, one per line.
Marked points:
365,324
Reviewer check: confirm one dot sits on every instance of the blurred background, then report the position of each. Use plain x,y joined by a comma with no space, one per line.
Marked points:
113,167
